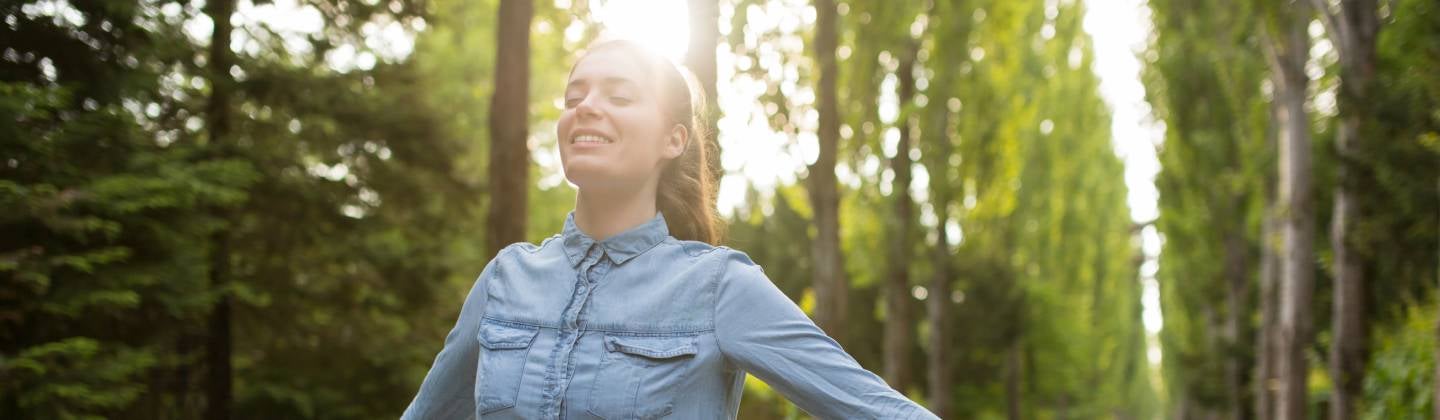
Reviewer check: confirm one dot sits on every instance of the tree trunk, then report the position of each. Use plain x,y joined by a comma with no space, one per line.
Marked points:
1182,407
183,377
830,282
1347,350
938,303
1013,366
219,394
509,120
218,389
1237,313
1265,377
1352,28
938,306
700,59
899,330
1214,344
1287,54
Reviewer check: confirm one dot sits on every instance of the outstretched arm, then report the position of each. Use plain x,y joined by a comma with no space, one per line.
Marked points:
449,388
763,332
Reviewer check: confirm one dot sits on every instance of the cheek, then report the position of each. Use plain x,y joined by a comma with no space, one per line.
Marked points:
643,137
562,125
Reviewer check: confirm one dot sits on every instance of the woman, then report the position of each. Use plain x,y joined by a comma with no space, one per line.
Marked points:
631,311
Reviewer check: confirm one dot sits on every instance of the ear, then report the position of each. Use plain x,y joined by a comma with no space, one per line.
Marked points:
676,141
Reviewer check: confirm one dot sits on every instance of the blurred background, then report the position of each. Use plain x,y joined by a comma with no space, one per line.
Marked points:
1009,209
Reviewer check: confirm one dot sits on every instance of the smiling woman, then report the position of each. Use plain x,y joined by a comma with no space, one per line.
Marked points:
634,310
616,93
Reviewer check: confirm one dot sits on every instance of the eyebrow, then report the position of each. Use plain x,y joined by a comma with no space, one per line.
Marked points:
611,80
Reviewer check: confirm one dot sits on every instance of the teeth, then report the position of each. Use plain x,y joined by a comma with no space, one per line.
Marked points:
586,138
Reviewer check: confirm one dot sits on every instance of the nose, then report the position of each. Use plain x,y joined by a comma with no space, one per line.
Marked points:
586,108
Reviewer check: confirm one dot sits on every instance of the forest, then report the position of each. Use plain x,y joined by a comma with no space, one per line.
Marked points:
274,208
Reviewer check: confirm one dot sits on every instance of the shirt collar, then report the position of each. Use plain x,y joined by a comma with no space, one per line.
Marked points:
620,247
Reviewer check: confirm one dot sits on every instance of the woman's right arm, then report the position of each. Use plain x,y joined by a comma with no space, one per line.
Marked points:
448,391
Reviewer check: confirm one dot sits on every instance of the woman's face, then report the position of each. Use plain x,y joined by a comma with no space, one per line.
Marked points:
613,131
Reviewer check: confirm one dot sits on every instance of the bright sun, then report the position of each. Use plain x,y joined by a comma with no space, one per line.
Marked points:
662,25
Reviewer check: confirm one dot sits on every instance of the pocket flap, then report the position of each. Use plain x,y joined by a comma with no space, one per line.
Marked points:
495,335
662,347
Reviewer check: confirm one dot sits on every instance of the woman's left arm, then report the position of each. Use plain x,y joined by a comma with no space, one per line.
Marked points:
764,333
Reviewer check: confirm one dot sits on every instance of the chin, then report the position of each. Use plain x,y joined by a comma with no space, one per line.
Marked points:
601,178
584,174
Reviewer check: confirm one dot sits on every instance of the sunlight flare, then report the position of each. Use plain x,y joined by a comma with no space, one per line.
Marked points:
661,25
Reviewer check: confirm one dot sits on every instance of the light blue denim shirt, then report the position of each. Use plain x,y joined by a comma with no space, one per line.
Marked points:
639,325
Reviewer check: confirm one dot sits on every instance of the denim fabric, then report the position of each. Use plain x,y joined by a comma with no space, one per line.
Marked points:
637,326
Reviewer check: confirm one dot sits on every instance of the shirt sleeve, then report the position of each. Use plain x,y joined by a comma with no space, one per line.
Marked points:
449,387
759,329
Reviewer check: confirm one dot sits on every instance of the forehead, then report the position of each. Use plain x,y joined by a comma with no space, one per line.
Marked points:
608,67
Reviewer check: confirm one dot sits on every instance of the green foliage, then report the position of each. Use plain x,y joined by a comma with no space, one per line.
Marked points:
93,253
72,377
1204,81
342,212
1400,379
1402,232
1402,161
1043,256
1206,78
332,196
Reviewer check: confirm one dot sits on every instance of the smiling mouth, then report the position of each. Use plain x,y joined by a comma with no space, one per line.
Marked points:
590,139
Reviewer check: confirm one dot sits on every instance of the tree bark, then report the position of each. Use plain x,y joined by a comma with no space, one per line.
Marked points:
1013,373
1265,378
188,343
1237,312
899,330
509,121
700,59
938,303
829,280
219,391
1352,28
938,306
1287,54
218,385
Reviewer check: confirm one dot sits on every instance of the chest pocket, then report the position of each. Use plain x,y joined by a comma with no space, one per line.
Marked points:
638,375
502,363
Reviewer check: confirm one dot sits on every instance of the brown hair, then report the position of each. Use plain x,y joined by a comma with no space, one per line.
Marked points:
686,192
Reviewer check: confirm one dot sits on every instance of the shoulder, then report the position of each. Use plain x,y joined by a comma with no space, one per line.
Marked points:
743,291
693,249
736,260
722,258
524,248
734,268
527,255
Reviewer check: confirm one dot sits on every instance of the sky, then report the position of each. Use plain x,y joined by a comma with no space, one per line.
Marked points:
1120,29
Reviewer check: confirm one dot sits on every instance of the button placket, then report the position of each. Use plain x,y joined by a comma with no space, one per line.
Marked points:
560,370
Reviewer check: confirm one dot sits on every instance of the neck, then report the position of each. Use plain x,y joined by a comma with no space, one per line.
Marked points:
602,214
